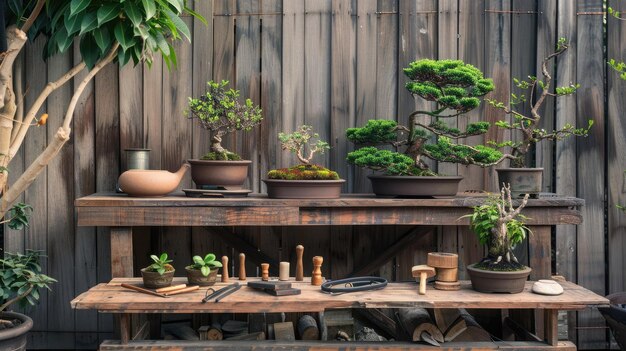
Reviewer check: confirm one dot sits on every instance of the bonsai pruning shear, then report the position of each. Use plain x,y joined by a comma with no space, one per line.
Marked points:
221,293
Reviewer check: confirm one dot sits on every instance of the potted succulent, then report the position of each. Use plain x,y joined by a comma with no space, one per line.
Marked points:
499,226
455,88
526,180
159,274
203,271
220,112
20,281
306,180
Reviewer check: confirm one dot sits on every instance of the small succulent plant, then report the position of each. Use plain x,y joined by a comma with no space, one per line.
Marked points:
205,264
161,264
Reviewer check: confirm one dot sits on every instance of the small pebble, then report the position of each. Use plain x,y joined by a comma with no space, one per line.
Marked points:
547,287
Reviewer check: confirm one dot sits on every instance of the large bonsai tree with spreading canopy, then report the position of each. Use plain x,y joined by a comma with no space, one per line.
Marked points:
455,88
106,31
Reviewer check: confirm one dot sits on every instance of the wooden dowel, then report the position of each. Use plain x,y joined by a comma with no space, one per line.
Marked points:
299,267
242,266
180,291
225,269
142,290
171,288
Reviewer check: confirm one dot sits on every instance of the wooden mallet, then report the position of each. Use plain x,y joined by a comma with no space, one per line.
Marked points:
423,271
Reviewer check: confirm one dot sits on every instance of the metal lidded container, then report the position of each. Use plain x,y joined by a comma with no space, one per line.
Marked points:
137,158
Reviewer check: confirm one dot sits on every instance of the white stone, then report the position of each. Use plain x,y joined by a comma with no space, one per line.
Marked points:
547,287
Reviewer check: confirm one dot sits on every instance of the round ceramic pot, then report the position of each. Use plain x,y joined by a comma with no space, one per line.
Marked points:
522,180
498,282
411,186
303,189
228,174
195,277
14,339
151,183
154,280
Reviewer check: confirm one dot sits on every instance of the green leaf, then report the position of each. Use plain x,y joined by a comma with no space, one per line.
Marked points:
209,257
103,39
78,5
197,15
198,260
133,12
89,51
162,44
89,22
154,258
126,41
72,24
178,4
205,270
180,24
149,7
64,41
107,13
161,270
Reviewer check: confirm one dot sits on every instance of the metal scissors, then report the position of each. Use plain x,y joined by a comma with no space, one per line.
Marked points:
221,293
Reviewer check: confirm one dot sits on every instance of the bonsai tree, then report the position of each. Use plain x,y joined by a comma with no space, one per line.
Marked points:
305,145
160,264
500,227
205,264
528,124
220,112
455,88
21,280
106,31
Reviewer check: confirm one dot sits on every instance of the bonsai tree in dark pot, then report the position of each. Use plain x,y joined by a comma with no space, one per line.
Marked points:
203,271
220,112
306,180
455,88
499,225
526,180
20,281
159,274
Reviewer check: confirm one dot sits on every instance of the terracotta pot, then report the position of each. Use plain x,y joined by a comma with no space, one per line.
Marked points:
498,282
146,183
522,180
303,189
412,186
195,277
228,174
154,280
14,339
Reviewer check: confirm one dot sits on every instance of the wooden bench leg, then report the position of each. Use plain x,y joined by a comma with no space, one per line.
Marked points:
539,252
551,326
121,252
125,328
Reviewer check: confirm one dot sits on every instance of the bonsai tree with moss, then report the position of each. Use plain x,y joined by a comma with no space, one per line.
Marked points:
305,145
455,88
527,124
220,112
500,226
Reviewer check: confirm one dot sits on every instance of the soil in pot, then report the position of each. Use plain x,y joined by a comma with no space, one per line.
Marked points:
208,174
522,180
13,337
195,277
154,280
488,281
413,186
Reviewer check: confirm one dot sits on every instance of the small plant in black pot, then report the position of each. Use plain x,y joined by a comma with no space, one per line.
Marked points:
203,271
500,226
306,180
159,274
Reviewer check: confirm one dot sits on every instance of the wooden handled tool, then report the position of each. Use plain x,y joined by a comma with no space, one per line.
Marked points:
316,276
184,290
423,271
265,271
299,267
225,269
242,266
171,288
142,290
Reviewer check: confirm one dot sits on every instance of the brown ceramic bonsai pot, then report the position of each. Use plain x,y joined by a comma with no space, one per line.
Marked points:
151,183
195,277
413,186
14,338
154,280
496,281
228,174
303,189
522,180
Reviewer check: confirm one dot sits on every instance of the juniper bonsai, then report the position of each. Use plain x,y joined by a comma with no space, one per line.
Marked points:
528,124
455,88
220,112
305,145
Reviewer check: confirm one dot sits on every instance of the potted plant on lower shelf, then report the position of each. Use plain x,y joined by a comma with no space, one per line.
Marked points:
306,180
455,88
220,112
525,180
20,281
203,271
159,274
499,226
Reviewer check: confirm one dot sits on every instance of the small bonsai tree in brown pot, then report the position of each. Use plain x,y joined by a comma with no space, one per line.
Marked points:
159,274
500,226
220,112
203,271
306,180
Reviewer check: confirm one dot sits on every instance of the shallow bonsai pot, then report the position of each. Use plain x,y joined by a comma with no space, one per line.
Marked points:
228,174
522,180
498,282
195,277
14,339
413,186
303,189
154,280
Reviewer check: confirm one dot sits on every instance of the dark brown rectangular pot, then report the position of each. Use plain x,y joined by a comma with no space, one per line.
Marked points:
303,189
522,180
413,186
498,282
154,280
228,174
14,339
195,277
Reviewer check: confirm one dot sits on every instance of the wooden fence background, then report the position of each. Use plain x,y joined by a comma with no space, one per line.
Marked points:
334,65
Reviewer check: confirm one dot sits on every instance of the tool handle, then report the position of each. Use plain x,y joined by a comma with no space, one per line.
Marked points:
171,288
225,269
242,266
141,290
299,266
180,291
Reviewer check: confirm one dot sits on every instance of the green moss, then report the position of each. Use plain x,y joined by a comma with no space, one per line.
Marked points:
303,172
221,156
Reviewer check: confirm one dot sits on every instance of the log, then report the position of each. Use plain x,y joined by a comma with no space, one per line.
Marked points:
465,328
378,319
307,328
368,334
182,332
211,332
416,321
249,336
445,317
284,331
